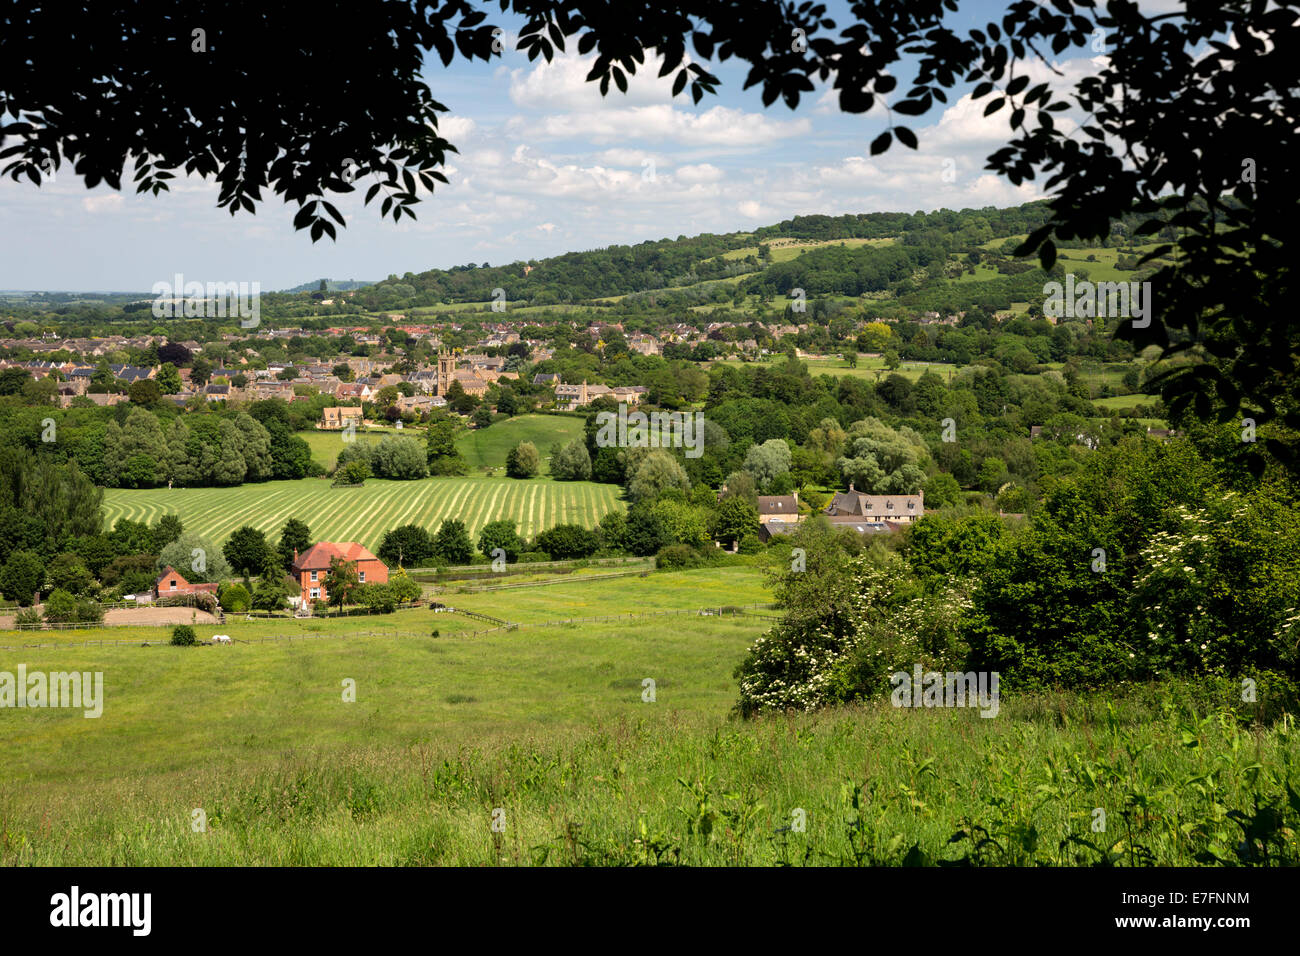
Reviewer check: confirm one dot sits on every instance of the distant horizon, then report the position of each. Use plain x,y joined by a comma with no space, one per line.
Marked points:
552,255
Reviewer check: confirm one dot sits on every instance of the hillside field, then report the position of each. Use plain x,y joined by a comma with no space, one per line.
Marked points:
364,514
488,447
868,368
554,728
482,448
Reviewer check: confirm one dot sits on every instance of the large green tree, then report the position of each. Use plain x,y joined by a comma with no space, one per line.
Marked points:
246,550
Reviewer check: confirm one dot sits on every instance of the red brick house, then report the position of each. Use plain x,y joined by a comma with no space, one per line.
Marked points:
311,567
170,583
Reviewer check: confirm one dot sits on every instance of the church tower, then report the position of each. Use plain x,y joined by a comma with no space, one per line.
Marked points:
446,371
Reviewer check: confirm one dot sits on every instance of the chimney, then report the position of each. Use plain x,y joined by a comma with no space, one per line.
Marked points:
295,554
850,486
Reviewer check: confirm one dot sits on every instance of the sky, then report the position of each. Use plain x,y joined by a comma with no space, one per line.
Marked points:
546,166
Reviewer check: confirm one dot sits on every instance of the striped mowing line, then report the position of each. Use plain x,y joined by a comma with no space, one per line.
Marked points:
365,517
496,507
417,497
255,513
454,505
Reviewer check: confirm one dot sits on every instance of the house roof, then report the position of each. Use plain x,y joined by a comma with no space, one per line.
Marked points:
778,505
318,555
857,503
168,572
860,525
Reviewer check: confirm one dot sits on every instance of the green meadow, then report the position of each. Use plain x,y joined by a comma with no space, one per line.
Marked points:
488,447
868,368
608,743
482,447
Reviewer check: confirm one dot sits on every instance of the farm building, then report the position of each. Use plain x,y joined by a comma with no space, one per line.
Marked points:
311,567
171,583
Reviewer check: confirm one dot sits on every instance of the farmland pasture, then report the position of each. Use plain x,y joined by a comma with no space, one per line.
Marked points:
488,447
868,368
364,514
482,447
552,725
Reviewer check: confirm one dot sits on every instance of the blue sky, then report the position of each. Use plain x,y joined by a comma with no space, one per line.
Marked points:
546,166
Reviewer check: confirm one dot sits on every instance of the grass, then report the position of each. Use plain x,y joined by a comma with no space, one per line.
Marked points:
556,597
1125,401
488,447
555,728
783,250
867,368
712,587
551,728
364,514
326,445
483,447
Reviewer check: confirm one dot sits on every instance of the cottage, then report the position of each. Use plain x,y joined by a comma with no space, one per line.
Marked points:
311,567
572,397
335,419
779,508
901,509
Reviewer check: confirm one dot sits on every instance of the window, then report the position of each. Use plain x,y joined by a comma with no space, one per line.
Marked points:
911,506
361,577
315,593
889,506
173,585
313,575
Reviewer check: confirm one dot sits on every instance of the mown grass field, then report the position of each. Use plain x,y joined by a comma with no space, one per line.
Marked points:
364,514
549,727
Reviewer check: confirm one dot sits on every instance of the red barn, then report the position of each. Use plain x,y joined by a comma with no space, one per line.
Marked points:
312,565
170,583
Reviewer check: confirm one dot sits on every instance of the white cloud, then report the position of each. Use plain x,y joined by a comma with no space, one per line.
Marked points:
97,204
456,128
699,173
720,127
562,85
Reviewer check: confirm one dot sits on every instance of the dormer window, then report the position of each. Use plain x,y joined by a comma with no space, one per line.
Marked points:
911,506
889,506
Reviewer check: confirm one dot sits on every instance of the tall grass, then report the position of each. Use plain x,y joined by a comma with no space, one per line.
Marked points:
1181,776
